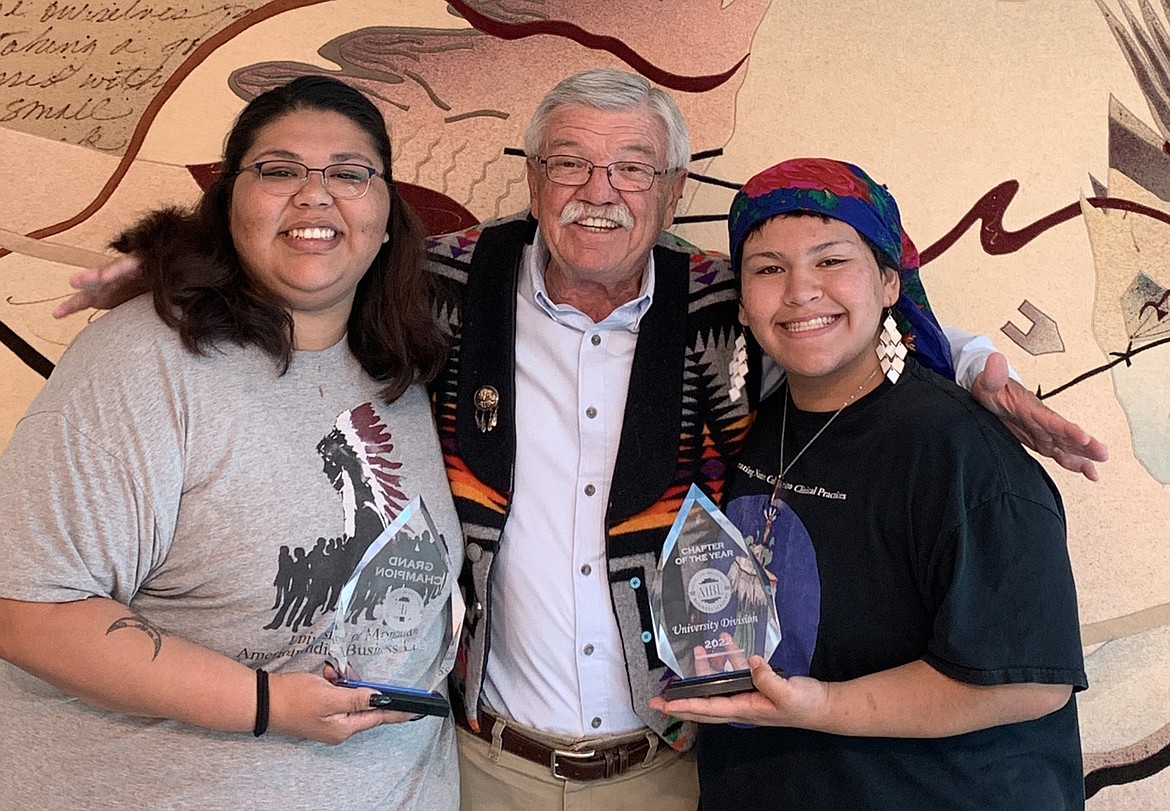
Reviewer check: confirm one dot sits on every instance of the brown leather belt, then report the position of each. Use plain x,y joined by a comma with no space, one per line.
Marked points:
565,764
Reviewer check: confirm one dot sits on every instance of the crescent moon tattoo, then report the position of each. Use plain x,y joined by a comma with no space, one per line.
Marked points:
139,623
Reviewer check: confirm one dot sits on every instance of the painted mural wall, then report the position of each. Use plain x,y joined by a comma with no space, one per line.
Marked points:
1027,141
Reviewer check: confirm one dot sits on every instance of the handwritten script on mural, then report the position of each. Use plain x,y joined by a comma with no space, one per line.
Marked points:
82,72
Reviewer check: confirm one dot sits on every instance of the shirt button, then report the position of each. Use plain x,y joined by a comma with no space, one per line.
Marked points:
591,412
595,723
587,650
595,340
647,636
590,489
586,569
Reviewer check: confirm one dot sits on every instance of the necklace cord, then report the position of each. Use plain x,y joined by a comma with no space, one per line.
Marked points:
771,510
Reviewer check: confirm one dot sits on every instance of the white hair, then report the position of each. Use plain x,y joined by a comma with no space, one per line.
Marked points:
613,91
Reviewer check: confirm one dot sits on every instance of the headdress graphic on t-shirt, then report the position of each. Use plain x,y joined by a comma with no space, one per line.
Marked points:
357,458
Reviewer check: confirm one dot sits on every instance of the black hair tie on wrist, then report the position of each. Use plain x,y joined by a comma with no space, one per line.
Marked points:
261,725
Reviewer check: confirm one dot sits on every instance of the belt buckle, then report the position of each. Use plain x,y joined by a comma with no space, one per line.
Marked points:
552,760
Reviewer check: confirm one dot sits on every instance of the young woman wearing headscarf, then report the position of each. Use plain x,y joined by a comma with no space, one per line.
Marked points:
930,640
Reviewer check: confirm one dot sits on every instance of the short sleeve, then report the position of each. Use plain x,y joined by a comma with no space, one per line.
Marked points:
72,520
91,478
1006,607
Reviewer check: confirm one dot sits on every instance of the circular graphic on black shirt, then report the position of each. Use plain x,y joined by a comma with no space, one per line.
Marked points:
791,562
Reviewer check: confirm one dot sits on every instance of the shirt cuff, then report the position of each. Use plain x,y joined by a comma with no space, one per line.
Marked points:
969,354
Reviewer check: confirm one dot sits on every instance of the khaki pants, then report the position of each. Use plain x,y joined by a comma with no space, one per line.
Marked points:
669,783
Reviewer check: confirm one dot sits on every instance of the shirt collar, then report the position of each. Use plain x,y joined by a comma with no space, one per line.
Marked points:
626,317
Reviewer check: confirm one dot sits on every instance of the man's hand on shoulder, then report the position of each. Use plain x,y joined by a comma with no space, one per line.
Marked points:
104,288
1035,424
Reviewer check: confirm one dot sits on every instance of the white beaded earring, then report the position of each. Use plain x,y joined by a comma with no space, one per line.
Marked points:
737,369
891,351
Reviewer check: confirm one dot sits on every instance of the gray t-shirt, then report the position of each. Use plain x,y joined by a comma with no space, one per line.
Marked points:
227,504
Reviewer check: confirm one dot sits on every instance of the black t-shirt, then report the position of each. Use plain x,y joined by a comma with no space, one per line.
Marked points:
916,527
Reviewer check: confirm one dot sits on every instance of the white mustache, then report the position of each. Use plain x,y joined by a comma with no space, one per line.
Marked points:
576,210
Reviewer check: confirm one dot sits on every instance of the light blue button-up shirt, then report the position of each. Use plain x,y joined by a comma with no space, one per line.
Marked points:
556,661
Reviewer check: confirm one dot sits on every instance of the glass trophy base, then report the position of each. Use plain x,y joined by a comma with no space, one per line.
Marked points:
719,684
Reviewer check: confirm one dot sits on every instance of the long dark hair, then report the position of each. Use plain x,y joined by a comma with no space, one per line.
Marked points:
201,290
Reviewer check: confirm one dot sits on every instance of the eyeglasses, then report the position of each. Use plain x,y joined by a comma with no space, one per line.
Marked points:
569,170
345,181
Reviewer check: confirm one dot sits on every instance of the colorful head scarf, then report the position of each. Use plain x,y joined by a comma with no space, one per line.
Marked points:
845,192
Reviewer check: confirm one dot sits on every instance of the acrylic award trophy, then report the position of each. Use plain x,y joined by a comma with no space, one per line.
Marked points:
712,604
401,591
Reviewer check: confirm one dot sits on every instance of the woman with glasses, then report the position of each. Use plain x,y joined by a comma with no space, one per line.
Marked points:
183,502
